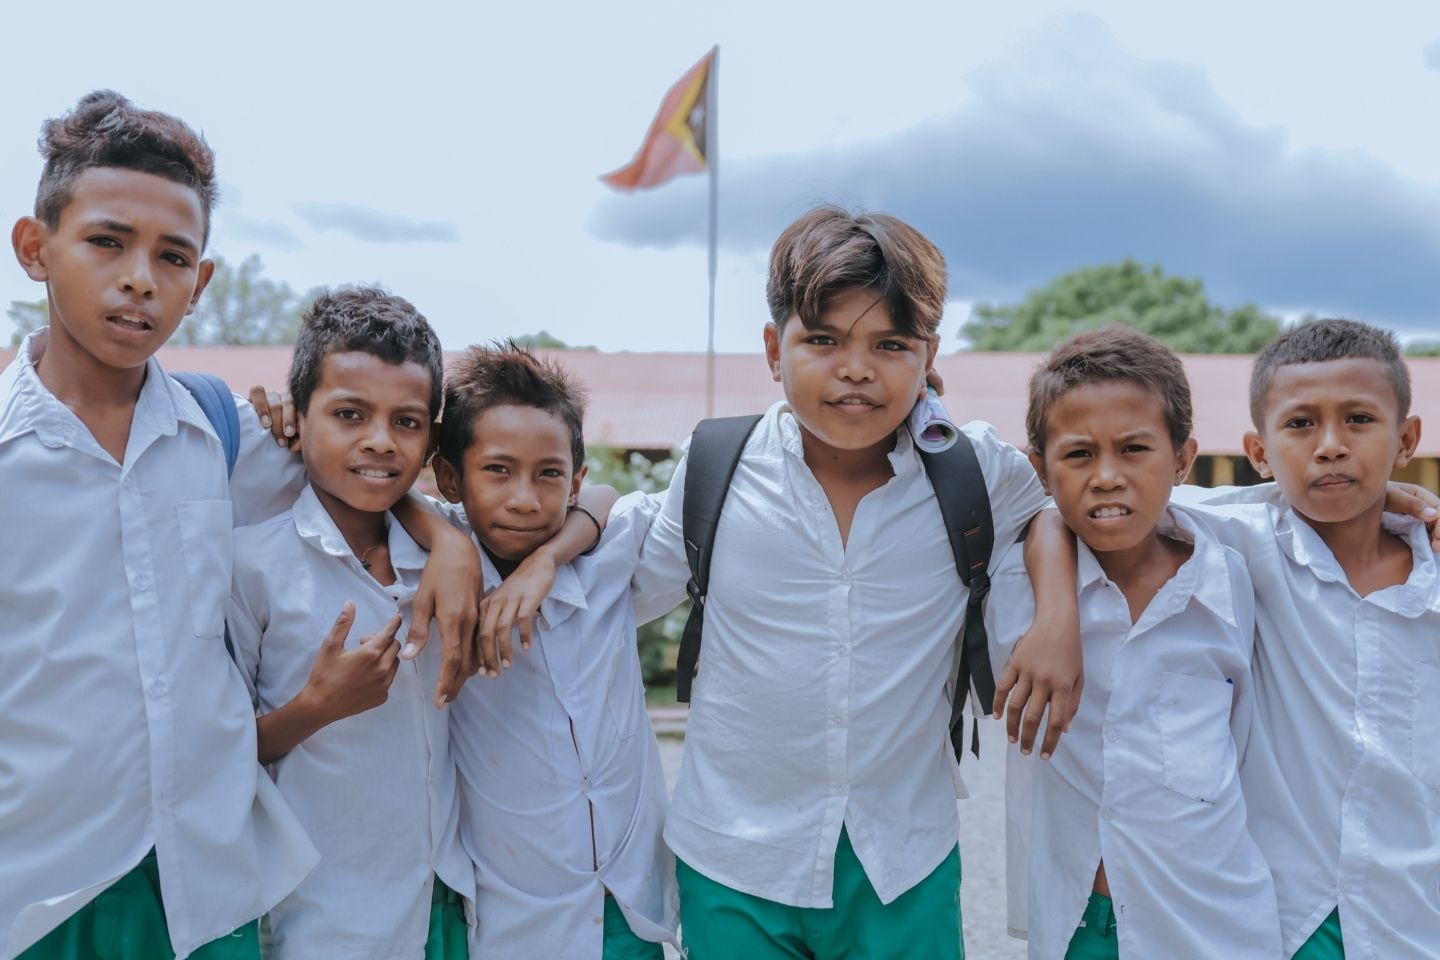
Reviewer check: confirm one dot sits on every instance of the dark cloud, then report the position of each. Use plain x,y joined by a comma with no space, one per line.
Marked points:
1073,152
269,232
1432,56
362,223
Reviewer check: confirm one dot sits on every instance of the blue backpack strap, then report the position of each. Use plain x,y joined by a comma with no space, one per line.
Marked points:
215,399
965,506
715,450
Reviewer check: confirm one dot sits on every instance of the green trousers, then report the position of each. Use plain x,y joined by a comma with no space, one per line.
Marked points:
620,942
127,922
1095,938
718,923
449,934
1325,943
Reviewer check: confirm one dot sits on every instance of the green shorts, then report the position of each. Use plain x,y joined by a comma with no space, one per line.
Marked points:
127,922
449,937
621,943
1095,938
718,923
1325,943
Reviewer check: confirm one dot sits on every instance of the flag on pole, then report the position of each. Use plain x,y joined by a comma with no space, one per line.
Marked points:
676,143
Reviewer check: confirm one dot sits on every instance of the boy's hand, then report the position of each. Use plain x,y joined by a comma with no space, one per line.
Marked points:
346,682
449,587
276,411
1045,670
1415,501
512,605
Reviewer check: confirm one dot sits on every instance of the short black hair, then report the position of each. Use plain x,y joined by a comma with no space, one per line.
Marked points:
1319,341
1105,355
506,374
106,130
830,250
364,320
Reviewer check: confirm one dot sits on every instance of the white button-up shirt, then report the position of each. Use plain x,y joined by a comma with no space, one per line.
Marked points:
820,699
1345,797
123,723
561,782
375,791
1147,778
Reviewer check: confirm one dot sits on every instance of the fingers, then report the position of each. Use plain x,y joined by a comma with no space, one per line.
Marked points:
1031,714
485,637
1002,691
289,425
449,683
384,638
1018,700
335,640
260,401
526,624
422,611
1060,712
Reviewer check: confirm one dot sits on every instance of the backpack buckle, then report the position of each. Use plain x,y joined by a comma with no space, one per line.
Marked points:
697,596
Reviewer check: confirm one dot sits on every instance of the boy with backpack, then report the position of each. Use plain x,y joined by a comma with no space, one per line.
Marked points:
815,811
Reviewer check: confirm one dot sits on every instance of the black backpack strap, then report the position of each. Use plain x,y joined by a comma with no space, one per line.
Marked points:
715,449
965,506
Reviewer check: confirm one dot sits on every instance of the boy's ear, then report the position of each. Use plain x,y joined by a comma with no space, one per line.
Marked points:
772,349
1185,460
576,481
206,271
1409,440
447,478
1255,451
1037,462
28,238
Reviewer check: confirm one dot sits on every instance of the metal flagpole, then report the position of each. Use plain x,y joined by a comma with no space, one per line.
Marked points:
712,160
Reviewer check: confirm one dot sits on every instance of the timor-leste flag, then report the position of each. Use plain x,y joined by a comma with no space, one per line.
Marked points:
675,143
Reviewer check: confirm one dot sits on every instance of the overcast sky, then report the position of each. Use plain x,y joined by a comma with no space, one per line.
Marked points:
1286,153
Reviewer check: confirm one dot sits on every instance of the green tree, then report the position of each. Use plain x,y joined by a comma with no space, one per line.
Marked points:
1423,348
1174,310
544,340
241,307
27,316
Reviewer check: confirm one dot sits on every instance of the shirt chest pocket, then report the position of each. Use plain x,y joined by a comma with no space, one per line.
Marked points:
1195,738
1425,725
206,540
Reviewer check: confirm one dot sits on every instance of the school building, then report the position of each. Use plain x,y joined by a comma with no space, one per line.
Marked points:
649,402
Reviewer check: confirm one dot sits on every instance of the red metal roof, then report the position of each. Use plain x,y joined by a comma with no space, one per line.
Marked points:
650,401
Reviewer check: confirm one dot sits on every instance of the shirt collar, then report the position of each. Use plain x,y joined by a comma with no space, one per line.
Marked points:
1204,577
1421,591
32,407
316,527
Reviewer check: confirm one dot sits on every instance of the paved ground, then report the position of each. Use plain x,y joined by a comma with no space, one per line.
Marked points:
982,843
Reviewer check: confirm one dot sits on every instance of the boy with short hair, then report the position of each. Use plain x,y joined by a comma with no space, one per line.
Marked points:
126,680
815,812
563,794
128,742
346,731
1132,841
1341,779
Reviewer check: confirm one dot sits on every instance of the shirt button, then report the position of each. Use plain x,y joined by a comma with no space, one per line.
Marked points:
1109,813
159,687
142,581
1112,735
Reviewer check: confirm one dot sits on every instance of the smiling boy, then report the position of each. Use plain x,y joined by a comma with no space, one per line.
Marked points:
1132,842
1342,781
345,726
815,811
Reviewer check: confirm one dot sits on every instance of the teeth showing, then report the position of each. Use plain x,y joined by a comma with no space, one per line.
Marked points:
376,474
854,402
1107,513
131,322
